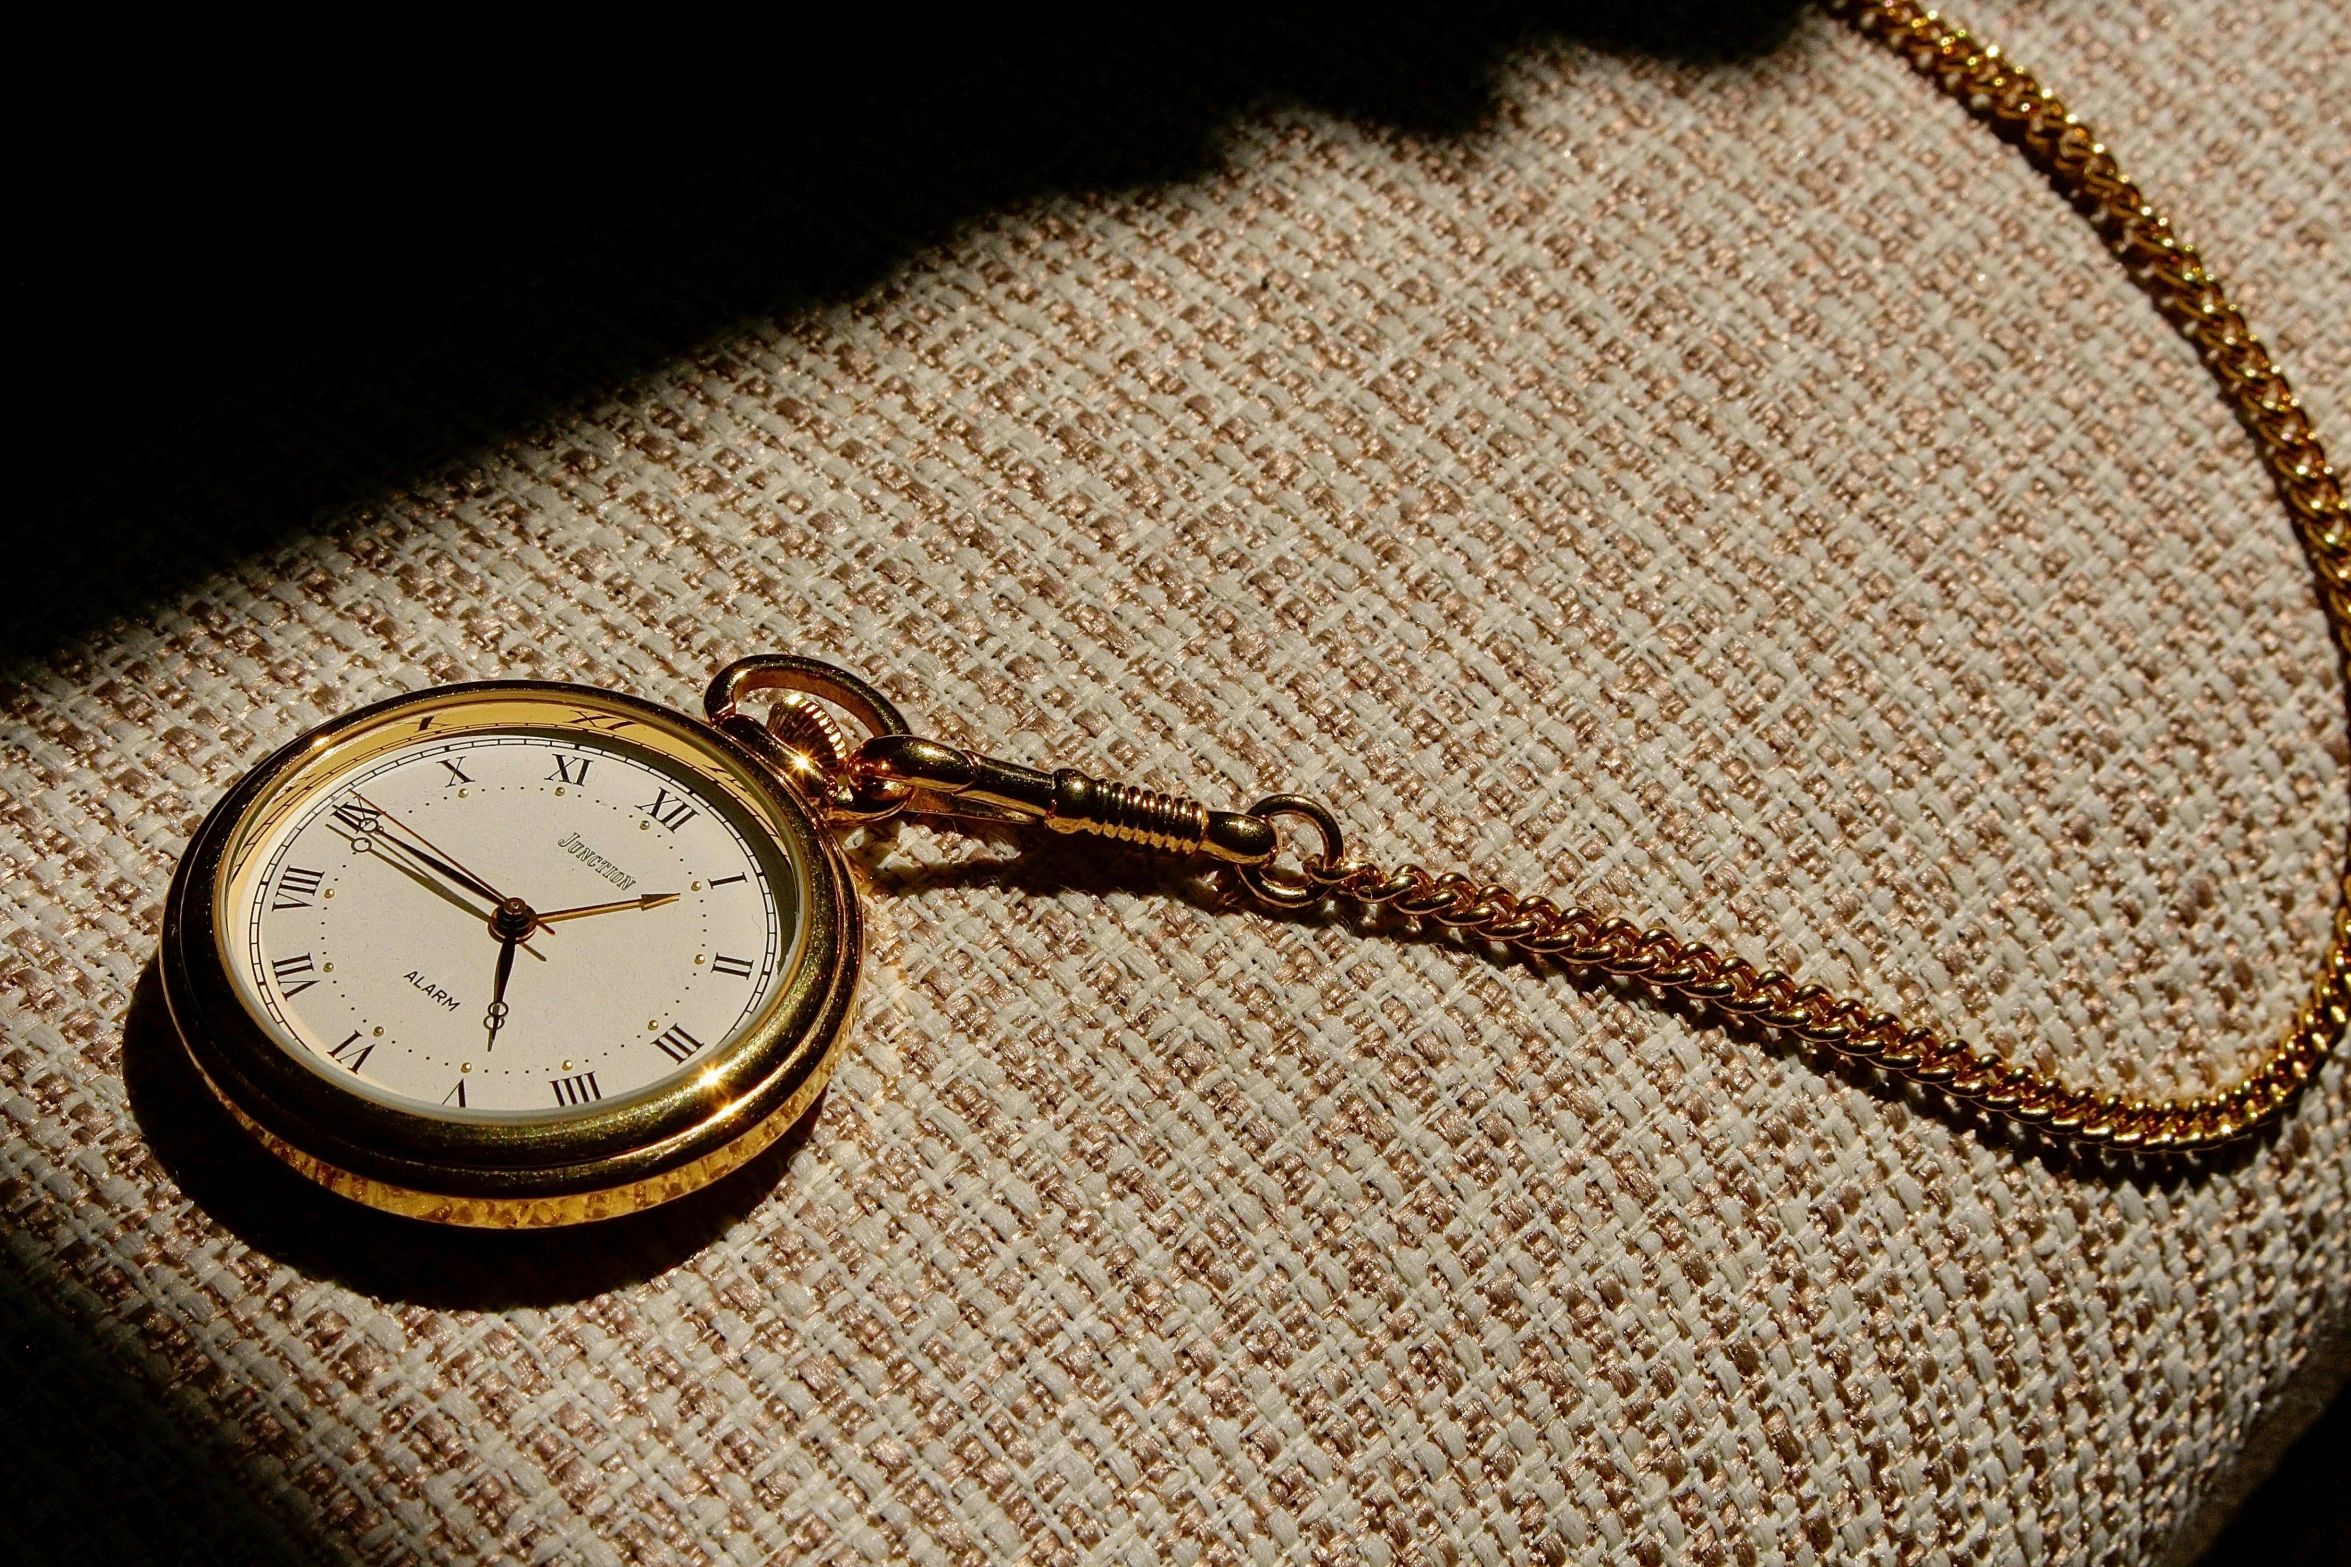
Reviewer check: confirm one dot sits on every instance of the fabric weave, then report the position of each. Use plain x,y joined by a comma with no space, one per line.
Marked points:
1741,496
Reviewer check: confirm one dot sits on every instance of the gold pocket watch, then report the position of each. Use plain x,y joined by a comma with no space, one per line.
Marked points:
520,954
531,954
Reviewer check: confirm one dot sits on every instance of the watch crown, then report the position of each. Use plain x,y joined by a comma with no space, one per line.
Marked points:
802,727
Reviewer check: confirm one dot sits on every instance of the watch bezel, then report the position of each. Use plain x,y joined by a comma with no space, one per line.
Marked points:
642,1150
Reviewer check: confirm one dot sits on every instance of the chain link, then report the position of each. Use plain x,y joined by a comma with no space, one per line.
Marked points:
2030,117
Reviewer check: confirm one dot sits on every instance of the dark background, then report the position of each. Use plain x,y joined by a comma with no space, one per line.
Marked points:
252,292
261,277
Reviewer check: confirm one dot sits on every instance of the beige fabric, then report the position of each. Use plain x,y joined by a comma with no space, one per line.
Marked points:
1744,496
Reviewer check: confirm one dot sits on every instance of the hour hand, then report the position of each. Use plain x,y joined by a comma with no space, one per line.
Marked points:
509,937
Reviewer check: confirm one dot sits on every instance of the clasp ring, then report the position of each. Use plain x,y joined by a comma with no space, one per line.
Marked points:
746,677
1276,890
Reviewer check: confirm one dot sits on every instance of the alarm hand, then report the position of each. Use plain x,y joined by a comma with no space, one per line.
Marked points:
651,900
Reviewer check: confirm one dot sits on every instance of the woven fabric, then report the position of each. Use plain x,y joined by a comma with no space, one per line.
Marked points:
1741,497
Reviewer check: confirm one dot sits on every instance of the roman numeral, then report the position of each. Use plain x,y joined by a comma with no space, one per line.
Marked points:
727,880
677,1044
672,814
296,887
287,968
580,1090
602,723
456,773
736,968
570,769
344,1055
455,1096
359,818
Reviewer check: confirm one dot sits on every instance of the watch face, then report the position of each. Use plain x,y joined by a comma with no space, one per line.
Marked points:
514,954
648,919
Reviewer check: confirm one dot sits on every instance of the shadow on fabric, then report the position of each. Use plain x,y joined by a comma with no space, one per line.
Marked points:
103,1466
289,1220
258,296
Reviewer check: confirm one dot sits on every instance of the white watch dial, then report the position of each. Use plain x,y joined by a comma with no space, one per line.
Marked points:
368,940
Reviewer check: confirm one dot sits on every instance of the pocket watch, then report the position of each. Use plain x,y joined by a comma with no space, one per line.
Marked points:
519,954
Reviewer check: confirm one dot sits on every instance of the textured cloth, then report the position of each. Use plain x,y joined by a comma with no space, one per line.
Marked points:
1742,497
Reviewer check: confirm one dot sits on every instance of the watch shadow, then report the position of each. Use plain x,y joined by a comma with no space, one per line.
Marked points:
261,1202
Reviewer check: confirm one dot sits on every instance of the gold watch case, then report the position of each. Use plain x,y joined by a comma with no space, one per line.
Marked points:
603,1162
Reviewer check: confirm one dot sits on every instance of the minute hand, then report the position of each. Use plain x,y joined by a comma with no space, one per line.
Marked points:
418,846
441,867
439,880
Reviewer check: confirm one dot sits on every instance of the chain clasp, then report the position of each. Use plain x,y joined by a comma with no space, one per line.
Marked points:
946,781
895,771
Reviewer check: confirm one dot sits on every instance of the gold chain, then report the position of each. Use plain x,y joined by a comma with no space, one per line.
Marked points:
2023,112
894,771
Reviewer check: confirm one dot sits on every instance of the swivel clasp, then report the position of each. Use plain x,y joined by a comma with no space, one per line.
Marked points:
943,780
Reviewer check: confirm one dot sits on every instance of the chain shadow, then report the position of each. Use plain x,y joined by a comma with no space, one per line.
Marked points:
1048,864
240,1187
